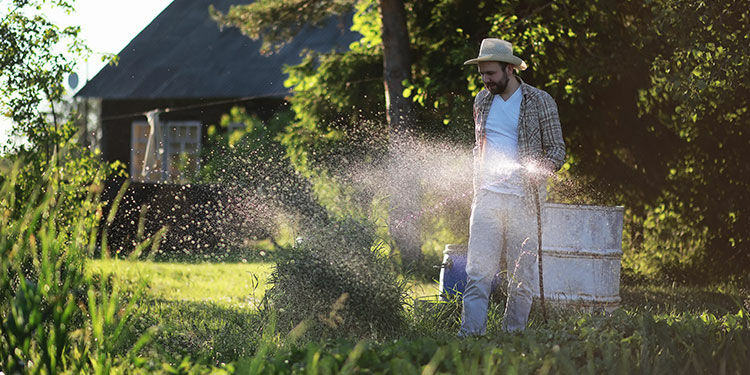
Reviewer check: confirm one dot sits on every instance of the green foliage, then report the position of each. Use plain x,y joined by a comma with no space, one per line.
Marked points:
337,283
652,97
700,88
335,132
277,22
74,169
31,69
340,127
31,76
338,111
54,319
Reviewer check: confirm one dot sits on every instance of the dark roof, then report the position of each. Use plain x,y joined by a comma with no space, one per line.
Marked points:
183,54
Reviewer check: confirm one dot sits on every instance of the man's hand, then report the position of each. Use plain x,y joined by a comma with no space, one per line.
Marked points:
538,171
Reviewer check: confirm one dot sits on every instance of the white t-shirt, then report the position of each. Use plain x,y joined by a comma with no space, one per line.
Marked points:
501,171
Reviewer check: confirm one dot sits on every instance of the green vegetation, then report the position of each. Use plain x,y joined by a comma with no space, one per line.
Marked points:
627,343
226,285
55,318
660,328
649,91
64,313
337,282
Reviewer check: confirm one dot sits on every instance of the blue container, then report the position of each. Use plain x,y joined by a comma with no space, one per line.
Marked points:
453,272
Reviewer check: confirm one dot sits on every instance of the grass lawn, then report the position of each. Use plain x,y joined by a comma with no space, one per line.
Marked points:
203,310
223,284
244,284
207,313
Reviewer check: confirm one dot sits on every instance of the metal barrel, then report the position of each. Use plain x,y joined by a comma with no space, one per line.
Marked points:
582,251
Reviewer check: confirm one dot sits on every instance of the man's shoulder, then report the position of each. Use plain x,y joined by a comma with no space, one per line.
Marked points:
482,96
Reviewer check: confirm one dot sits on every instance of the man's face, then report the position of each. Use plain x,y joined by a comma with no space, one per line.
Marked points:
495,78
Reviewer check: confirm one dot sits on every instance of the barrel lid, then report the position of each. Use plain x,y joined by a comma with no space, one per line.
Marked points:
456,249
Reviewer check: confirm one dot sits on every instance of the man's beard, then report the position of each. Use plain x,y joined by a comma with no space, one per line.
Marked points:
499,87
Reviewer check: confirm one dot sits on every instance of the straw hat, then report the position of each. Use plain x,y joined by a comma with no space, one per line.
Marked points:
497,50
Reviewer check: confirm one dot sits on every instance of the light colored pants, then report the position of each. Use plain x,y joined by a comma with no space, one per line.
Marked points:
498,219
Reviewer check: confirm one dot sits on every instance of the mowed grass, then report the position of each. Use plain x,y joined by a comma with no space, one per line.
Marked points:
202,310
224,284
244,284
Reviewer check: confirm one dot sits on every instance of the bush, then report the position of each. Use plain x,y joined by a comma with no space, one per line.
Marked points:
337,282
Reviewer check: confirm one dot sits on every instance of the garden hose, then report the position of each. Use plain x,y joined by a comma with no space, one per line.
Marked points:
539,249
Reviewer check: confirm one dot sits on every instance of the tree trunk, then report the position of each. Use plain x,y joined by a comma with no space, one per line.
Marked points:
396,64
405,195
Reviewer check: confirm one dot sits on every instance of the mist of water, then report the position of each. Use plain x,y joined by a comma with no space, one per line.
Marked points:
251,192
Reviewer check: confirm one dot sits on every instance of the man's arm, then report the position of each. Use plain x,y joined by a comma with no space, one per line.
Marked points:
553,144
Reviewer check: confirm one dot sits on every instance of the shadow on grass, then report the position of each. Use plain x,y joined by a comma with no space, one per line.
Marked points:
717,300
200,330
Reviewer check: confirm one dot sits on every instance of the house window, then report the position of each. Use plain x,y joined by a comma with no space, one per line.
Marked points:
178,149
184,140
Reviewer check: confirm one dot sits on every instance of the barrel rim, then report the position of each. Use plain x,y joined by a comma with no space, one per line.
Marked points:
583,252
591,207
580,298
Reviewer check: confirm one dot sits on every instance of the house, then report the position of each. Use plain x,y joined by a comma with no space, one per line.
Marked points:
176,77
189,70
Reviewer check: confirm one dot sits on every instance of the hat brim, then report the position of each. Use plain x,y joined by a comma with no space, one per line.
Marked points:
516,61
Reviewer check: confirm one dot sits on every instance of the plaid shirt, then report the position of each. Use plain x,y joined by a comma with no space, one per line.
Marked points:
539,133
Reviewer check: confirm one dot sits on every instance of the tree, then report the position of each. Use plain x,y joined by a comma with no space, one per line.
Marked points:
653,98
396,63
31,73
702,89
35,55
277,22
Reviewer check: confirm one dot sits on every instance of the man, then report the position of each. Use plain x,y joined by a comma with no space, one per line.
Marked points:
518,144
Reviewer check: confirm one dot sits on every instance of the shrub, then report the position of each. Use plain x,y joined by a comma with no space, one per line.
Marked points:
337,282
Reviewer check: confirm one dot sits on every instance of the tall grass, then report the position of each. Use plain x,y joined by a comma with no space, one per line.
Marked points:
55,318
624,343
